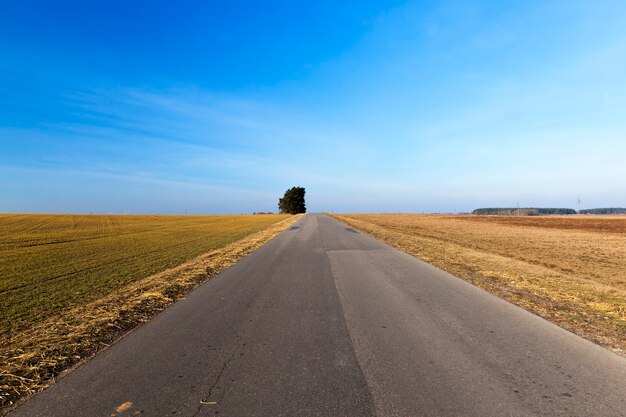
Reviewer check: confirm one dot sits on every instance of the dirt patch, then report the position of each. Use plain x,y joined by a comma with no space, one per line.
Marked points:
590,223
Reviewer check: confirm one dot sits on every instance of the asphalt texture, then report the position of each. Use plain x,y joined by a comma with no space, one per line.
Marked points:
324,321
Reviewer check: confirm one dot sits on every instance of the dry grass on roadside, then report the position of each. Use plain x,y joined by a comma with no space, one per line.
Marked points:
570,270
30,359
49,263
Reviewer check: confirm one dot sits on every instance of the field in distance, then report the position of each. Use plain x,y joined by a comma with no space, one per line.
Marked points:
73,284
568,269
49,263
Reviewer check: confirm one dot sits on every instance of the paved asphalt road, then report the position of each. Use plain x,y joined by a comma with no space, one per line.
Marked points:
323,321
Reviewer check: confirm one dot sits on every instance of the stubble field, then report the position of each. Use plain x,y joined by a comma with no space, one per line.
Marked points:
51,262
568,269
72,284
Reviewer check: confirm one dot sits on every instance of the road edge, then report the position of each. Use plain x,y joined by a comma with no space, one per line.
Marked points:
488,285
34,360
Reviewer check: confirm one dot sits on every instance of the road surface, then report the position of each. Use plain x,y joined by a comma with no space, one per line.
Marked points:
324,321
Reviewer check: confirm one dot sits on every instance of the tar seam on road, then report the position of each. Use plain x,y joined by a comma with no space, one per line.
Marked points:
343,316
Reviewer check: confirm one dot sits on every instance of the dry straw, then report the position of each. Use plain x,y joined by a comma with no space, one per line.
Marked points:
570,270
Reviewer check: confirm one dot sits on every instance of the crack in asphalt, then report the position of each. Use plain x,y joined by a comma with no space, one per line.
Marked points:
219,376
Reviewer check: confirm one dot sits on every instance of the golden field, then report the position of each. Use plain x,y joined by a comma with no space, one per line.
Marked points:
568,269
51,262
72,284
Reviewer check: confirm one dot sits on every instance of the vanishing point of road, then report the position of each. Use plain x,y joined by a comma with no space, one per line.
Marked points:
324,321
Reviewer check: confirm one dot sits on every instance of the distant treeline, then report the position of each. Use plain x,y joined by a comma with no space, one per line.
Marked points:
608,210
522,211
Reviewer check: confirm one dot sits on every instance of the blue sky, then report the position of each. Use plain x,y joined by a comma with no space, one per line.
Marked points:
218,107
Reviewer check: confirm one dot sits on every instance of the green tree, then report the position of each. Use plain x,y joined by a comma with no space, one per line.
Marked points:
293,201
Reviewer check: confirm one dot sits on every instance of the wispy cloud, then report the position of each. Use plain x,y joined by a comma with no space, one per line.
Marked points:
177,137
432,107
